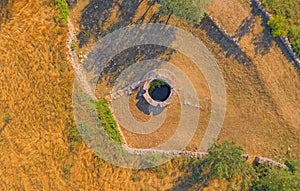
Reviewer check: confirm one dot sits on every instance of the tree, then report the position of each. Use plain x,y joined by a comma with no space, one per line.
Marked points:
276,179
279,25
191,10
225,161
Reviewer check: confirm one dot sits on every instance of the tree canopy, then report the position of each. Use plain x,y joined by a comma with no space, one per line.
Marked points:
275,179
191,10
280,26
226,161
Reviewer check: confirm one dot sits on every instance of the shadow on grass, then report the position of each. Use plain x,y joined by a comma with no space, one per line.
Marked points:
4,11
97,12
194,174
226,44
263,42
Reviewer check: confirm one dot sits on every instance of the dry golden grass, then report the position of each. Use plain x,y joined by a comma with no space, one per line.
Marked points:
36,85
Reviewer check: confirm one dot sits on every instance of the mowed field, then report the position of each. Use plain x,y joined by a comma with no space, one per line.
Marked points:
36,87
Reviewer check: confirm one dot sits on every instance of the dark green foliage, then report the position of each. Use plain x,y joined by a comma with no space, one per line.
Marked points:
156,84
225,161
191,10
107,121
294,37
62,6
275,179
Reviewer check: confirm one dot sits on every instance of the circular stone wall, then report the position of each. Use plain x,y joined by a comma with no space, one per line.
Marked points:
161,76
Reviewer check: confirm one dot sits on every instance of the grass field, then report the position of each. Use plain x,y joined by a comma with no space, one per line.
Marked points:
36,83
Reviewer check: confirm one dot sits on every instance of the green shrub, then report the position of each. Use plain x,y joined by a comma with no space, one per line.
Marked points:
279,25
289,11
62,6
73,46
191,10
107,121
275,179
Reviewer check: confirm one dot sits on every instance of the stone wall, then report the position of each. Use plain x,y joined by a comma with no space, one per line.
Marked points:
262,160
223,31
285,41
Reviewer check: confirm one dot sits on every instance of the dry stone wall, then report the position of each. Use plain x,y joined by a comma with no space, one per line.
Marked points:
285,41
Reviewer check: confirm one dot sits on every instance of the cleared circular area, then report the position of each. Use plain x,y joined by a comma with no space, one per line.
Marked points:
159,90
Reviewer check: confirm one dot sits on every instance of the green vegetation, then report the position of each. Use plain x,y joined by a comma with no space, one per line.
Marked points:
274,179
191,10
279,26
73,46
226,164
225,161
62,6
68,167
74,137
156,84
7,118
107,121
285,20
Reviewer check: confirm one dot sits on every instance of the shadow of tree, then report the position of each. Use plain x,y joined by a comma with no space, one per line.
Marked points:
4,10
195,176
94,23
133,55
226,44
93,19
263,42
245,28
96,13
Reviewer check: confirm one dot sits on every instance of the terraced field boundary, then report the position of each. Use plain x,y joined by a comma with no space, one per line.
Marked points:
199,155
284,40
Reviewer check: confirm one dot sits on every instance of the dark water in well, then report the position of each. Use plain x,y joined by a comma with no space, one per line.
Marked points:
161,94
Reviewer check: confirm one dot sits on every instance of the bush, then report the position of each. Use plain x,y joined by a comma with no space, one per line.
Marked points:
279,25
225,161
73,46
191,10
275,179
62,6
289,11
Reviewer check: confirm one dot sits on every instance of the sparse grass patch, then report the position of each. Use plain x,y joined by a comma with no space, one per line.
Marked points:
74,137
98,161
136,177
68,167
7,118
